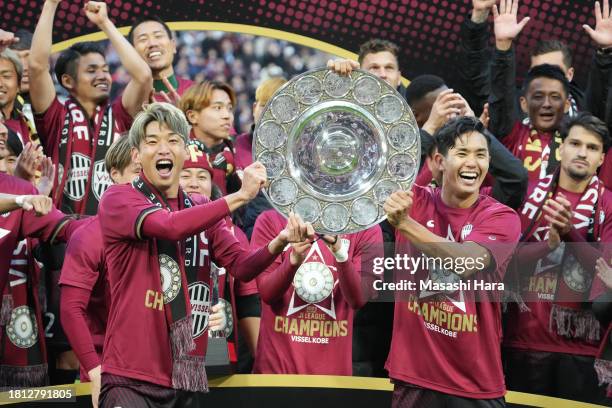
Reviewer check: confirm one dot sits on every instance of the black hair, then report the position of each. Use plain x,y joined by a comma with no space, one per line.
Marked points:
546,46
546,71
421,86
446,137
13,143
68,60
591,123
143,19
25,40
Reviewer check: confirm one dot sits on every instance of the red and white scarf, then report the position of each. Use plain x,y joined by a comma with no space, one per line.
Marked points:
81,180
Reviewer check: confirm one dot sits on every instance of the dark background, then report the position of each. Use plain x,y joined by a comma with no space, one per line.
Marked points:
427,31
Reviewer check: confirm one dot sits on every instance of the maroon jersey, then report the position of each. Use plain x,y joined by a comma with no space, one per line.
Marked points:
85,146
137,342
244,150
18,123
18,224
531,330
448,342
305,331
84,268
183,85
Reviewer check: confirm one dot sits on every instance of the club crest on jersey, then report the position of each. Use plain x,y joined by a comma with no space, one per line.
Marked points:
101,179
76,180
574,275
199,296
170,277
22,330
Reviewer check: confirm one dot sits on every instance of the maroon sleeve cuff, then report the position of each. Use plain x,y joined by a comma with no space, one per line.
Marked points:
253,264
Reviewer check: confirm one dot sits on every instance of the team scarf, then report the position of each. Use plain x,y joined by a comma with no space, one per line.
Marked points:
535,156
570,319
82,139
23,358
188,369
603,362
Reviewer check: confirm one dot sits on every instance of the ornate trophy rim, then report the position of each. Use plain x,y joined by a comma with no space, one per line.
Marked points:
320,129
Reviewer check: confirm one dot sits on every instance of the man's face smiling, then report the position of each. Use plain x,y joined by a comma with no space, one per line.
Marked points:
465,165
154,45
161,154
546,103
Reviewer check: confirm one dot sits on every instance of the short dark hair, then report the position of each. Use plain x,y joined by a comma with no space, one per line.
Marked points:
377,45
144,19
546,71
25,40
447,135
591,123
68,60
546,46
421,86
13,143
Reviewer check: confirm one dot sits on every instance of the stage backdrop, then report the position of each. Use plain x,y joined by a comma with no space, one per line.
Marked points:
427,31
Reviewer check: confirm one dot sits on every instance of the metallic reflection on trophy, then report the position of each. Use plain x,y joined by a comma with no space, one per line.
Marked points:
335,147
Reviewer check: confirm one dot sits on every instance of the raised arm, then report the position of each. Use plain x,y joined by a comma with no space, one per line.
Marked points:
474,54
42,91
502,103
139,88
598,95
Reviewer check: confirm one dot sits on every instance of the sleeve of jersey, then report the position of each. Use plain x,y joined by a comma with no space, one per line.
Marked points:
243,263
49,126
274,281
73,306
82,261
250,287
356,274
121,116
47,227
499,232
178,225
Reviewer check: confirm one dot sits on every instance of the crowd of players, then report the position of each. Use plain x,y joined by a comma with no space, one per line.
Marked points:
118,215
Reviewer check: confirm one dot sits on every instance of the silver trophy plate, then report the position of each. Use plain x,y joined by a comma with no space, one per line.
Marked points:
335,147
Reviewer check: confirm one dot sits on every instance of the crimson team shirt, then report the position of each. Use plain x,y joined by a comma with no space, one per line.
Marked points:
137,343
50,125
447,342
84,268
530,330
309,331
244,150
18,224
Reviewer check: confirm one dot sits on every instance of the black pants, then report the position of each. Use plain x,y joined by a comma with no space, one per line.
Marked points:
117,391
412,396
559,375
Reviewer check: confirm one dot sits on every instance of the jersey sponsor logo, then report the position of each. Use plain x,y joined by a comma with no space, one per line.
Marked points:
170,277
199,297
22,330
101,179
76,180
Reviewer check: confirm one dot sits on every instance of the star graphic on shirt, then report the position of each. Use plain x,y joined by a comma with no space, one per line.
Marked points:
326,305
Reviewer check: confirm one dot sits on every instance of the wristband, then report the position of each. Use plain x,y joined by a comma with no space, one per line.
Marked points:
342,254
19,200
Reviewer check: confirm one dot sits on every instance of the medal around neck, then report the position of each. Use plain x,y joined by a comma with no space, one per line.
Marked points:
335,147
